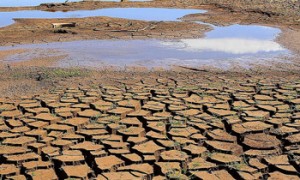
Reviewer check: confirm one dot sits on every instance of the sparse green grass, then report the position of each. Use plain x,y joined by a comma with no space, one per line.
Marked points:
196,164
2,109
159,124
115,118
45,73
65,73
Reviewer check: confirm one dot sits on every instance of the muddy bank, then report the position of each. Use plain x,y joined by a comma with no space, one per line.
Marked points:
4,54
289,39
41,30
41,76
89,5
288,10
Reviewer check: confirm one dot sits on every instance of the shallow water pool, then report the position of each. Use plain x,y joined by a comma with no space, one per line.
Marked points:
222,47
217,49
147,14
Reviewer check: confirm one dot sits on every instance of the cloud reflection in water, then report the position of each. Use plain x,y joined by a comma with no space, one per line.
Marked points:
226,45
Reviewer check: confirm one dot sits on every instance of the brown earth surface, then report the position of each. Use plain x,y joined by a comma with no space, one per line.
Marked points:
114,140
41,30
182,123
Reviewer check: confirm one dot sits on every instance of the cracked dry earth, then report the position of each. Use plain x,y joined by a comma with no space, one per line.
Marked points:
155,128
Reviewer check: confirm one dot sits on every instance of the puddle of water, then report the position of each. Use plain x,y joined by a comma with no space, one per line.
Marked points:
234,39
146,14
244,32
217,49
222,47
226,45
19,3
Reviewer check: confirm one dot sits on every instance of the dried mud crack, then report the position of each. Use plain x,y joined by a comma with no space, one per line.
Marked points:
183,123
151,126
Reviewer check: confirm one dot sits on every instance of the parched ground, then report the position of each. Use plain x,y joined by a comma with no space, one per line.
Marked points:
157,125
135,123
